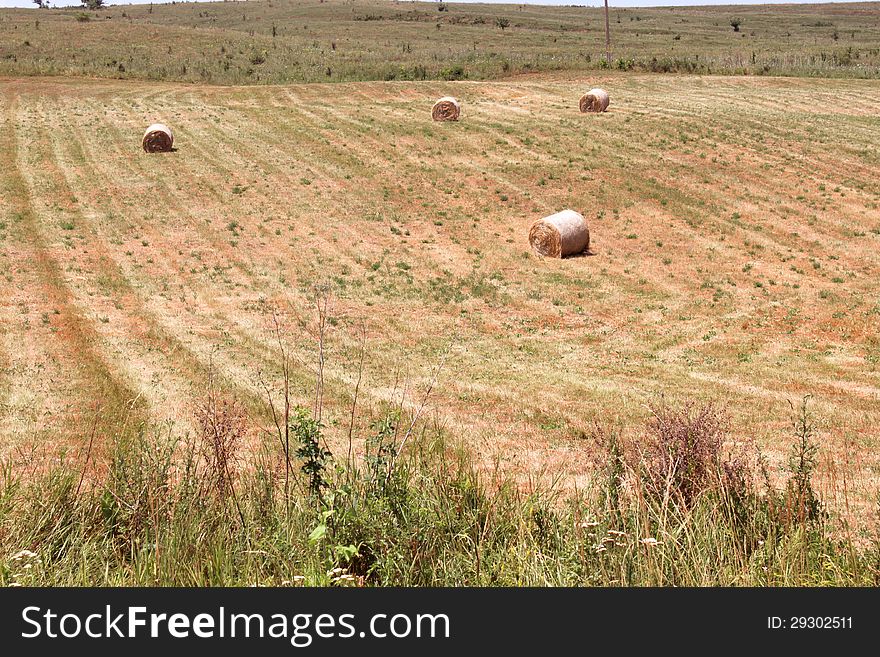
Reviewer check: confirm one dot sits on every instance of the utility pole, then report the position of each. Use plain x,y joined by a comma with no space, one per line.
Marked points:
607,36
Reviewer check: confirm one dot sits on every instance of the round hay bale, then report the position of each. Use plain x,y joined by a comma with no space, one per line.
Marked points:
446,109
562,234
158,139
595,100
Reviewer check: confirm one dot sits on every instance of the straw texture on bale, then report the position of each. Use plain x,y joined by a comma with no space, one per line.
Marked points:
446,109
158,139
595,100
562,234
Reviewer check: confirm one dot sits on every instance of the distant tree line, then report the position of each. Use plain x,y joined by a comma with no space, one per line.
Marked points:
94,5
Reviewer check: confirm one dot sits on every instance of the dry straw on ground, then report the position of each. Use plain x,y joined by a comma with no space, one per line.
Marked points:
446,109
562,234
158,139
595,100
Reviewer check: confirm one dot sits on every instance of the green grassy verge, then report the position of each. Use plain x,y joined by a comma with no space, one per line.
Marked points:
681,511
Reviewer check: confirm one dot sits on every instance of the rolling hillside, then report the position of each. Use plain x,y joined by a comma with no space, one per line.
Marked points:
281,41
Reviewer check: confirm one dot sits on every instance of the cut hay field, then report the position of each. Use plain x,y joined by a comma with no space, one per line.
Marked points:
735,233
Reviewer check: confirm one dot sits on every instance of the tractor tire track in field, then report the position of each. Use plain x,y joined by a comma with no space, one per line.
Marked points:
171,360
193,339
140,346
203,331
144,350
86,383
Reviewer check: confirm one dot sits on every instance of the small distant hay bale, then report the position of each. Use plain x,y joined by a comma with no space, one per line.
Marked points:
158,139
446,109
595,100
562,234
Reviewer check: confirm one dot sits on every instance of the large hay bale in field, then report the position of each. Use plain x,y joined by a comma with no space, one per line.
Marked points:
595,100
446,109
562,234
158,139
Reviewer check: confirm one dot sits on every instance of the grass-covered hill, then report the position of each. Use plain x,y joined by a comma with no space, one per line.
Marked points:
278,41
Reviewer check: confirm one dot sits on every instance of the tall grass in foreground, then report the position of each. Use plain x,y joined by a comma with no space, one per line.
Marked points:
169,511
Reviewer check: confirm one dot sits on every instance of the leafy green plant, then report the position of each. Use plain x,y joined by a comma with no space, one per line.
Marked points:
315,457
